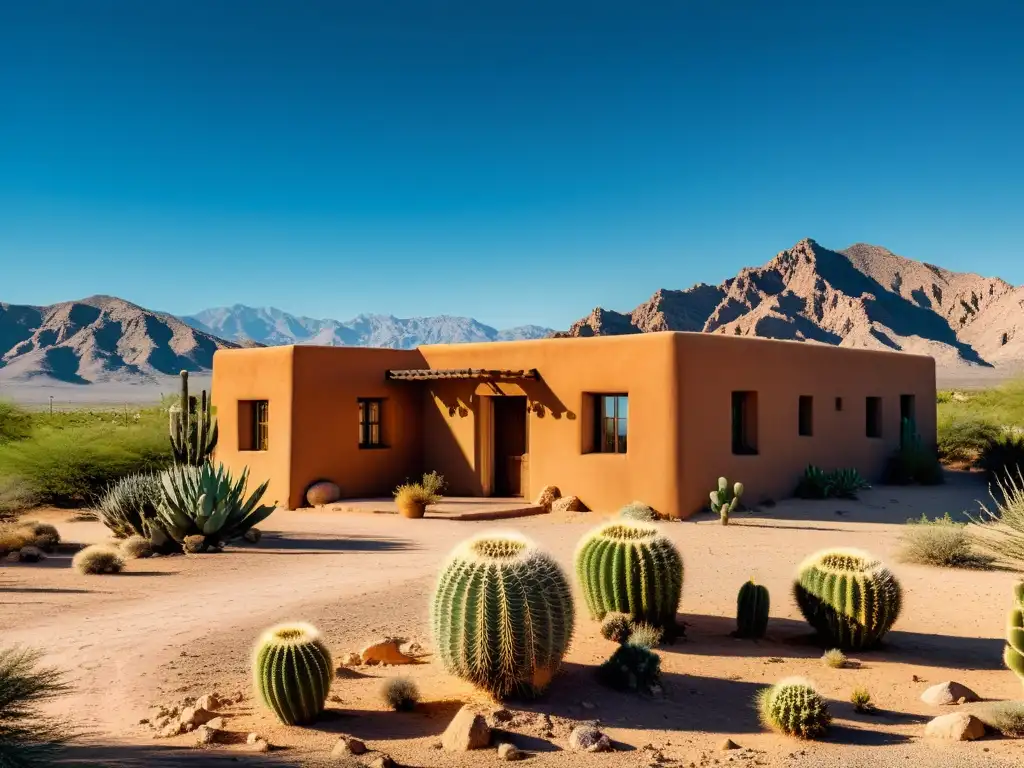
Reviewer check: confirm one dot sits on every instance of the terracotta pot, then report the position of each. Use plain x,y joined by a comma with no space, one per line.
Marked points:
412,509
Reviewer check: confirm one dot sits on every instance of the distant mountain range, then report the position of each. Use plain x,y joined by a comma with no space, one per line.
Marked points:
270,326
863,296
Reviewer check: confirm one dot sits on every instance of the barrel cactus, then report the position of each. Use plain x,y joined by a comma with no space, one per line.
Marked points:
292,672
793,707
630,567
502,615
848,596
1014,653
725,500
752,605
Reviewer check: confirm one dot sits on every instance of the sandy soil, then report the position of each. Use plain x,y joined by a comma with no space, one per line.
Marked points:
178,626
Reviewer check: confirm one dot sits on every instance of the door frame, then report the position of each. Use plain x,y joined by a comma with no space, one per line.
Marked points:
488,437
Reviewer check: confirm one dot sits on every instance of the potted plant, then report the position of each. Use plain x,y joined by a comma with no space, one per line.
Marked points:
414,498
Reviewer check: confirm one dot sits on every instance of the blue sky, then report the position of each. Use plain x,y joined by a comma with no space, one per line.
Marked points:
512,161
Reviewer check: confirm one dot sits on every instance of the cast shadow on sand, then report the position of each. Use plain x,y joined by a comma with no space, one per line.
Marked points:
283,544
151,756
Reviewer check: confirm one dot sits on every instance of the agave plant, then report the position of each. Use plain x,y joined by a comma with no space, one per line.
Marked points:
206,501
845,483
813,483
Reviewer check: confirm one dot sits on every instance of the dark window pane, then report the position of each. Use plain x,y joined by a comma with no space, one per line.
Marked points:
609,435
622,442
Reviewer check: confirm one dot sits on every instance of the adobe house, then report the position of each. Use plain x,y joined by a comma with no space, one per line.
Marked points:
651,417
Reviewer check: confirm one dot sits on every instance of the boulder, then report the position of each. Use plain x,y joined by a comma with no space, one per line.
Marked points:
467,730
195,716
206,734
385,652
261,745
210,701
346,746
217,723
587,738
13,557
548,495
509,752
323,492
948,693
958,726
569,504
31,554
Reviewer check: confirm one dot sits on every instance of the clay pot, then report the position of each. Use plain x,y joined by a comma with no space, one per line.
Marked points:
323,492
412,509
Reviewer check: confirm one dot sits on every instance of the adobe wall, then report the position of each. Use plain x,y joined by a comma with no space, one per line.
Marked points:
712,367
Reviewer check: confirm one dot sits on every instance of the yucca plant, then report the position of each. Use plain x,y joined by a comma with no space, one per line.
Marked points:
502,615
206,501
27,737
129,506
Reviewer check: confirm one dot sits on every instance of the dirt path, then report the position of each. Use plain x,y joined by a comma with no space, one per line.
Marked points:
184,626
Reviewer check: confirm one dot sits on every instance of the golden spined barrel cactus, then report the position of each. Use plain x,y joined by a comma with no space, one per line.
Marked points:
292,672
502,615
848,596
793,707
630,567
1014,653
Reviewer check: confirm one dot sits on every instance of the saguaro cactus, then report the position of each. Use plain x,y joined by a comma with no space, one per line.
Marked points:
193,431
292,672
752,606
792,706
848,596
502,615
1014,653
723,502
630,567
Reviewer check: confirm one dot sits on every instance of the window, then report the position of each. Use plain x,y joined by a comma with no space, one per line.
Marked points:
369,423
873,417
806,426
744,423
908,417
839,403
610,422
253,425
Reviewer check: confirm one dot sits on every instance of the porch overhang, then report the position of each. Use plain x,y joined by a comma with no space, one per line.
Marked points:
481,374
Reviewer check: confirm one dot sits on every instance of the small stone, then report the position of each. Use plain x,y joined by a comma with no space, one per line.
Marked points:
548,495
509,752
261,745
206,735
195,716
347,746
948,693
13,557
728,744
383,762
172,729
958,726
500,716
587,738
217,723
467,730
210,701
252,738
253,535
144,721
351,660
568,504
385,652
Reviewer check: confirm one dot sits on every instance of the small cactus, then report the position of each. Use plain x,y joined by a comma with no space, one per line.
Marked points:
752,606
193,432
400,694
292,672
616,627
848,596
631,567
793,707
1013,655
723,503
502,615
631,668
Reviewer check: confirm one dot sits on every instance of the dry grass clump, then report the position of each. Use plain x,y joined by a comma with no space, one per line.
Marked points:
861,700
400,694
645,635
1002,527
941,542
13,538
835,658
426,492
136,547
28,533
27,738
1006,717
98,559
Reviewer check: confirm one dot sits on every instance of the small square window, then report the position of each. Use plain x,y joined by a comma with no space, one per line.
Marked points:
253,425
806,417
873,417
370,410
611,419
744,423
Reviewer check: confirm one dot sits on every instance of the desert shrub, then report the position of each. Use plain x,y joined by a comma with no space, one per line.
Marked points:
292,670
15,422
45,536
426,492
1002,456
835,659
616,627
631,668
98,559
861,700
13,537
813,484
400,694
962,439
433,483
15,496
1005,717
1001,527
645,635
943,542
27,737
136,547
793,707
207,501
637,510
128,507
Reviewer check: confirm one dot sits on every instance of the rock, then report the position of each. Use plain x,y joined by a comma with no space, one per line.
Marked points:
467,730
347,746
948,693
509,752
351,660
958,726
587,738
568,504
261,745
172,729
217,722
206,734
728,744
412,649
13,557
195,716
253,535
549,494
252,738
383,762
31,555
211,702
500,716
324,492
385,652
193,544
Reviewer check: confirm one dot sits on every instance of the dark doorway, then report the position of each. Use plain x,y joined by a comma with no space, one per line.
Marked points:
509,445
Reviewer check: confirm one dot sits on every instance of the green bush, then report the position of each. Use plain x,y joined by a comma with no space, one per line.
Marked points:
27,738
943,542
15,422
962,439
1002,456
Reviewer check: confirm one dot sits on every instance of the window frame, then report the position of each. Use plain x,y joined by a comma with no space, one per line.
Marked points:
366,424
620,443
253,425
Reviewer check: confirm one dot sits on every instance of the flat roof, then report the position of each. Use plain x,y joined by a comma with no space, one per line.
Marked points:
434,374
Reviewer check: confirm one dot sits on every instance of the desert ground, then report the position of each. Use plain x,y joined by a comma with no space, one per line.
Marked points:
180,626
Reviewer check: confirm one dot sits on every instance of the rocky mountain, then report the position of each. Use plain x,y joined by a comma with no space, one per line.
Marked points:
98,339
863,296
270,326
